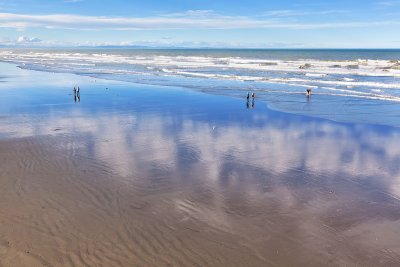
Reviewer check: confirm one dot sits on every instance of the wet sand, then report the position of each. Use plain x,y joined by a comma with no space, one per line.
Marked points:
152,176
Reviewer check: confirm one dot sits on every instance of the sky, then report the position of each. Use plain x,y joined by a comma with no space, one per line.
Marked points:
202,23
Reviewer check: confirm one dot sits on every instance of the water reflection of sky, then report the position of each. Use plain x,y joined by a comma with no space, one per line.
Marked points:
345,176
173,123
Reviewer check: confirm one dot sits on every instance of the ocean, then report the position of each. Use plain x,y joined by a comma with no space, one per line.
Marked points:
358,86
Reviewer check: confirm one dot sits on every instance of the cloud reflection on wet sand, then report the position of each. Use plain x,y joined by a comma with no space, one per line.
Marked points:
316,191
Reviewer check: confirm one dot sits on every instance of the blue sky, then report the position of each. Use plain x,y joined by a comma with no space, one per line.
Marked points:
195,23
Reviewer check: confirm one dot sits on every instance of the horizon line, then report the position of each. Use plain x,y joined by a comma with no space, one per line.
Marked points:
197,48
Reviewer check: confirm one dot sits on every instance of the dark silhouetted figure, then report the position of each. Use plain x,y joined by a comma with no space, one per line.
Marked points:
74,94
77,94
308,92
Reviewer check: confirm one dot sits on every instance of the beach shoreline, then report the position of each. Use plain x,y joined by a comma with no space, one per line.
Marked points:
134,176
356,86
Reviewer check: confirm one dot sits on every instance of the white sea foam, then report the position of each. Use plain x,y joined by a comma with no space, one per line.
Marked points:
316,74
371,68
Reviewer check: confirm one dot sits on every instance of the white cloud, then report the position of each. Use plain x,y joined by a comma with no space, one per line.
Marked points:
194,19
24,41
389,3
300,13
162,42
27,40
